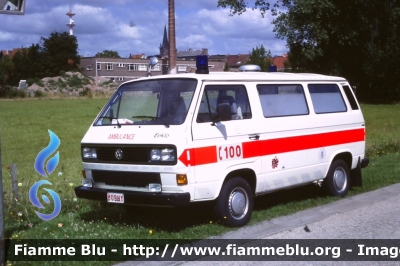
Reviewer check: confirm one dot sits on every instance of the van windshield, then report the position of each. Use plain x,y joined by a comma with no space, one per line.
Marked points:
149,102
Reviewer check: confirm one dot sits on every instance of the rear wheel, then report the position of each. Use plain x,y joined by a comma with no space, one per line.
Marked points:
337,181
235,202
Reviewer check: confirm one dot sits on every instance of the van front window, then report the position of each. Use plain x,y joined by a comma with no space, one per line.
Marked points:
149,102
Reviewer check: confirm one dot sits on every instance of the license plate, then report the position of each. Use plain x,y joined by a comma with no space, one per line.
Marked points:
115,197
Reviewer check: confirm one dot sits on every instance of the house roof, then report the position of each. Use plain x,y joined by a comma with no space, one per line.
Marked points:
279,61
237,60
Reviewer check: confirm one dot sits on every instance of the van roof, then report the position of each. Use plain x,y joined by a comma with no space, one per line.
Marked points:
254,76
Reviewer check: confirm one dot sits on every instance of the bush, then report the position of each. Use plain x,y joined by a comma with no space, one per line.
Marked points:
38,94
11,92
86,92
75,82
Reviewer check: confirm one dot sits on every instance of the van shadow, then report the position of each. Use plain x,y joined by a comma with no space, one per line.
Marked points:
165,219
178,219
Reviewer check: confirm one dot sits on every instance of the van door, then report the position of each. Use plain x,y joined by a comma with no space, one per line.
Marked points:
223,122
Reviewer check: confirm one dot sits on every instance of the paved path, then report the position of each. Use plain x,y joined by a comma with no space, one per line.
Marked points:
370,215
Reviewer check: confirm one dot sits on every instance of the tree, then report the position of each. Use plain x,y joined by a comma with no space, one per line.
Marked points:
6,65
359,40
108,53
261,57
60,53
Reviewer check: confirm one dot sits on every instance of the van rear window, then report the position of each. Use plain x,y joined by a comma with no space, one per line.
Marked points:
326,98
350,97
282,100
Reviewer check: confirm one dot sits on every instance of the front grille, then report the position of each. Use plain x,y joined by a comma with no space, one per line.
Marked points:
138,155
132,179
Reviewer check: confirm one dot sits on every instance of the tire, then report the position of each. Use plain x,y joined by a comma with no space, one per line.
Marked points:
337,181
235,202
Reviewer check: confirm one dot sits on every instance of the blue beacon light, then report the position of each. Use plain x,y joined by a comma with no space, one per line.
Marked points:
202,64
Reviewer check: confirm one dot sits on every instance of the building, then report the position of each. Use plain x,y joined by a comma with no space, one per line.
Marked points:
279,62
10,53
137,65
123,69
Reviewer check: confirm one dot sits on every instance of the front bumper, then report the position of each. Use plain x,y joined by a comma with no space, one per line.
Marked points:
136,198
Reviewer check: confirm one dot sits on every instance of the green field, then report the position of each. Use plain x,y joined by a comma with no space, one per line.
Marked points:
24,128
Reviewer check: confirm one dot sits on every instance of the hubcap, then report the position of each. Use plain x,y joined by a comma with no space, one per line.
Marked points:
238,203
340,179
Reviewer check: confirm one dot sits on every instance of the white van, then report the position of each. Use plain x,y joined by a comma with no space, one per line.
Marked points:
226,137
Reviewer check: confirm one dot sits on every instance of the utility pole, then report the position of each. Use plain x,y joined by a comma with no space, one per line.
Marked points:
172,40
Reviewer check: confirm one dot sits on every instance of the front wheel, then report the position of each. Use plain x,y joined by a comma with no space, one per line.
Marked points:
235,202
337,181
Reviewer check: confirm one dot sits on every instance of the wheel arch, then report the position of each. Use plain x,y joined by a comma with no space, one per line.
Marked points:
346,156
247,174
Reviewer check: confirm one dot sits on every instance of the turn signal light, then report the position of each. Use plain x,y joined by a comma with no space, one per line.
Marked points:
181,179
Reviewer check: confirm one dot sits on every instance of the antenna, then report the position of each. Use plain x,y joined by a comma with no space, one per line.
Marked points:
71,23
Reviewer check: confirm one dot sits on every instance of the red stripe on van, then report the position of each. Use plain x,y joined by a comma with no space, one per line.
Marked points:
281,145
199,156
207,155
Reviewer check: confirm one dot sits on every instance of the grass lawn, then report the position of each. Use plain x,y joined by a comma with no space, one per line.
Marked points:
23,132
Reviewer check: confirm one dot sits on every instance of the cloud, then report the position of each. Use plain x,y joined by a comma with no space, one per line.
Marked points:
105,25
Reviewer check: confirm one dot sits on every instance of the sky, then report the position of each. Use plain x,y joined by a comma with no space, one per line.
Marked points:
137,26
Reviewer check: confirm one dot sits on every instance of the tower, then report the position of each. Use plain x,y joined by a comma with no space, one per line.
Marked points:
164,46
71,23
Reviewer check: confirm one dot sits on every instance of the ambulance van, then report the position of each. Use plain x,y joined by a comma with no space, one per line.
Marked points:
225,137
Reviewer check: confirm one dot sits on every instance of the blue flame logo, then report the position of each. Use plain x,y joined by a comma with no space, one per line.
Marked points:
35,201
45,153
50,167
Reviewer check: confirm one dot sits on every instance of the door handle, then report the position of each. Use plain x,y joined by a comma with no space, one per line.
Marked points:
254,137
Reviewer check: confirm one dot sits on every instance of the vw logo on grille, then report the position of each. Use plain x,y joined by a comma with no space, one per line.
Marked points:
119,154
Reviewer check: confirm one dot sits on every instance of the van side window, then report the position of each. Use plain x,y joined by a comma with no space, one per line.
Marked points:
326,98
214,96
350,97
282,100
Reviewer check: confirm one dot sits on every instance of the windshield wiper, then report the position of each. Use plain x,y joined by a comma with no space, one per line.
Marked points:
112,118
154,118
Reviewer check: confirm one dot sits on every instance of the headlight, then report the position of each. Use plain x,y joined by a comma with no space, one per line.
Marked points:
89,153
167,155
164,155
155,155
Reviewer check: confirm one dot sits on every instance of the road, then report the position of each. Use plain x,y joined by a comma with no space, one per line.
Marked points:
371,215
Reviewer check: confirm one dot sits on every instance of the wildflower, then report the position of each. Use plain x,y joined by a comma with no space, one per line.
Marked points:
71,214
30,225
71,184
210,222
150,232
19,213
45,228
60,225
60,173
20,184
75,199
